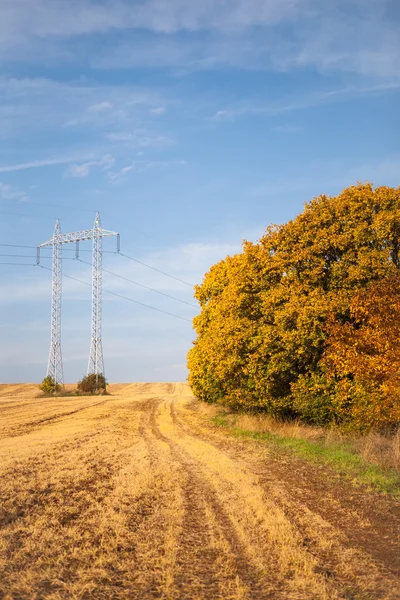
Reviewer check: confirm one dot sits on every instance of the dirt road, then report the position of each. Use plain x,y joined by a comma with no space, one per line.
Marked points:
137,495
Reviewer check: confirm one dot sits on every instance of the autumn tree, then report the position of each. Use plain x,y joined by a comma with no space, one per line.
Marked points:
262,331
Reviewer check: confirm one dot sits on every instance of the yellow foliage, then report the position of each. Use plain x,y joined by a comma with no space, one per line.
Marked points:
261,333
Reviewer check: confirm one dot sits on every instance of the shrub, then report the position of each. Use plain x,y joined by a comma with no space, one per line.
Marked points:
48,385
312,399
92,384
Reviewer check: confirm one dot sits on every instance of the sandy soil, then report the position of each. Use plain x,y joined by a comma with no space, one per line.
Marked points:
137,495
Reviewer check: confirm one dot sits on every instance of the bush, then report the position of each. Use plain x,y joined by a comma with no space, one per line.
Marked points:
48,385
312,399
93,384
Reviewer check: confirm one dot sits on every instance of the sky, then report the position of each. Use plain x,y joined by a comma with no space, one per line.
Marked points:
190,126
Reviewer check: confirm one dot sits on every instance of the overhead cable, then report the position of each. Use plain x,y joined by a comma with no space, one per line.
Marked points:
123,297
155,269
6,212
141,285
18,264
112,252
74,208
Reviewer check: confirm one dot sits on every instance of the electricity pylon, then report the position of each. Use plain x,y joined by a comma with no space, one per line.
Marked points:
54,364
96,361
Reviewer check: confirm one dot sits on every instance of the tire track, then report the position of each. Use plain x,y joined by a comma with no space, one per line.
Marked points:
197,559
32,425
306,503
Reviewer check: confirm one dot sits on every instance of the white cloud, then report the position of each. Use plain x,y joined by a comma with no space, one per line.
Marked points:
119,174
330,177
80,170
10,192
100,107
311,100
342,35
140,139
366,43
66,18
105,164
36,164
158,111
32,106
143,165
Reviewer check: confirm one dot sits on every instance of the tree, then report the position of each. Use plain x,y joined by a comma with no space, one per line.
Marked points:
262,330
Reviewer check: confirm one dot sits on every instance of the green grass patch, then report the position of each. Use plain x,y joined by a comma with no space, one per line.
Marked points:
337,456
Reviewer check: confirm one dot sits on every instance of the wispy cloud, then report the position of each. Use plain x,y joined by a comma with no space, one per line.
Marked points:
82,170
140,139
160,110
49,18
100,107
144,165
330,177
10,192
36,164
341,35
32,105
309,101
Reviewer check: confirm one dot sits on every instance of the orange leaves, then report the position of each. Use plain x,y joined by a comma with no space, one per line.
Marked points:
363,354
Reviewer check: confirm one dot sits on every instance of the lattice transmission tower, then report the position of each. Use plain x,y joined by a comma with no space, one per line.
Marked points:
96,360
54,364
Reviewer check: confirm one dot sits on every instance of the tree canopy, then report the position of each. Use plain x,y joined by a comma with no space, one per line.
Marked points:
286,324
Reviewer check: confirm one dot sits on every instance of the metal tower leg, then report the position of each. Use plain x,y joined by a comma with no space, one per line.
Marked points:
96,362
55,365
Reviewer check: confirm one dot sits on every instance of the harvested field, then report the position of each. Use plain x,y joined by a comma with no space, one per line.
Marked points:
138,495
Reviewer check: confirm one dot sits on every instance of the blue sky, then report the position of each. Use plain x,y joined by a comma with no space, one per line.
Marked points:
190,126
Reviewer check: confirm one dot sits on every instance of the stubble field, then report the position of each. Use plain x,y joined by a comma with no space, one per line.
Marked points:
138,495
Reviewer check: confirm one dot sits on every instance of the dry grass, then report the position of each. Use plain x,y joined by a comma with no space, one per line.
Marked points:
379,449
375,447
135,496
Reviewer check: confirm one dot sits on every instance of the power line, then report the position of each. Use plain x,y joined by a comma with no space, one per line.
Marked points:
17,264
17,246
70,208
143,286
32,256
5,212
64,249
23,255
123,297
112,252
155,269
